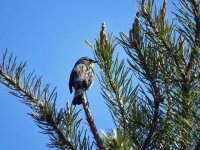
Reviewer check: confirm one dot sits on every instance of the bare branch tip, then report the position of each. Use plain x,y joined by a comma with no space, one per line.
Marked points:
164,8
143,7
103,37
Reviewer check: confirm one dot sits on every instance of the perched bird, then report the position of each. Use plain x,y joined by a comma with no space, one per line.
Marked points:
81,78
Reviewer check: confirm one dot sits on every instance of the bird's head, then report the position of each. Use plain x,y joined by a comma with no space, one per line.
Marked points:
88,61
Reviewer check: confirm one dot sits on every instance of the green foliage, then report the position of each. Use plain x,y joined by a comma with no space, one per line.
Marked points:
115,80
116,140
62,126
163,111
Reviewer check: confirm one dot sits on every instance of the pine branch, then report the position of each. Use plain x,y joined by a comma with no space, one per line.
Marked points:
118,97
184,85
194,53
110,71
149,75
40,106
92,125
161,38
104,46
61,126
116,82
157,99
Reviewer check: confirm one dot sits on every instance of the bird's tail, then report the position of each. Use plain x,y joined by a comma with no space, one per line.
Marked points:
78,96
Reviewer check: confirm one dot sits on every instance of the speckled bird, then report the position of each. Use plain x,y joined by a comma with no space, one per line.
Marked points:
81,78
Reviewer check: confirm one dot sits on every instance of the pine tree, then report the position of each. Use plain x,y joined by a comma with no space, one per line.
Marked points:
161,111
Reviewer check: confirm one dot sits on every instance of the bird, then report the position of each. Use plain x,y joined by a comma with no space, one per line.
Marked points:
81,78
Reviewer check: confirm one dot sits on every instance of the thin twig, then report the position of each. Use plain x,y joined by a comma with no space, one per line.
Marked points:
92,125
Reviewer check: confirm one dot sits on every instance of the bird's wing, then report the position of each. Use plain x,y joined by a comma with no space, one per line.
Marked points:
71,81
77,76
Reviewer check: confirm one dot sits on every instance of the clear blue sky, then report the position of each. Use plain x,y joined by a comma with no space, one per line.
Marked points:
49,35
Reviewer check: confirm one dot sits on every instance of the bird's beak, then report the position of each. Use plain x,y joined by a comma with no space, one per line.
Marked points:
95,61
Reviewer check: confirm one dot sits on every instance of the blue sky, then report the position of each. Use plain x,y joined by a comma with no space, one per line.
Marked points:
50,36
